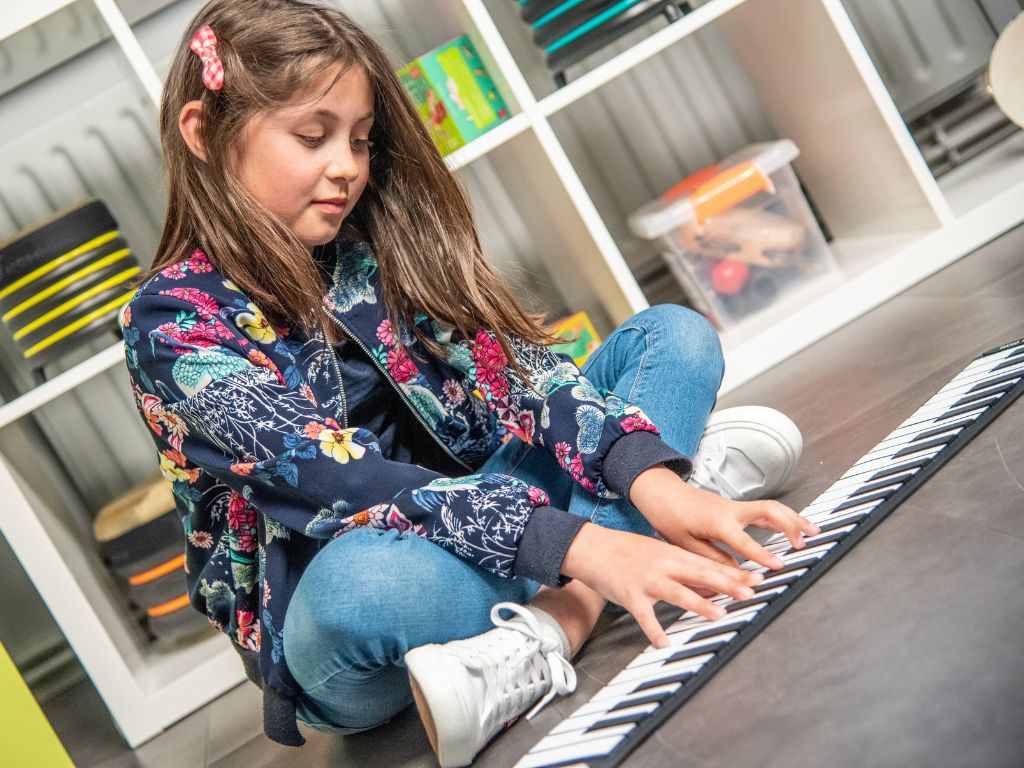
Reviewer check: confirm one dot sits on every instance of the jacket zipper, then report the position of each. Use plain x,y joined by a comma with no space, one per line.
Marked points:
341,384
394,385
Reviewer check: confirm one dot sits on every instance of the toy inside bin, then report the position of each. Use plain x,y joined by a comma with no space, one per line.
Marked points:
739,235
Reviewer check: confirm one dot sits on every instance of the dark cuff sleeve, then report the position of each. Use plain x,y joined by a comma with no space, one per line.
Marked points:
546,537
279,719
633,453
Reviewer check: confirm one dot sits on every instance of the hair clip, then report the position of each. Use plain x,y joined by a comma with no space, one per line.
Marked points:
204,44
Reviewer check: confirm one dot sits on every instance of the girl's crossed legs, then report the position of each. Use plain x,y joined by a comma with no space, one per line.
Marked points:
370,596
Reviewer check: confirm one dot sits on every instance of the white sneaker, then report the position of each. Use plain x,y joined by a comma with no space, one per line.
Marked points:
746,453
469,690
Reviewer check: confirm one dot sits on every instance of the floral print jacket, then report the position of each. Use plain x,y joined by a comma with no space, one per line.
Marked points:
251,428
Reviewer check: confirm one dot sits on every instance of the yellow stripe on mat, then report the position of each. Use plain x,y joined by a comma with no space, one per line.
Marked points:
88,269
156,572
169,607
79,323
120,277
96,242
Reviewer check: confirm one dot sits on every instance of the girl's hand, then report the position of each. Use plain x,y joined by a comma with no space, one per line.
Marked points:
693,518
637,571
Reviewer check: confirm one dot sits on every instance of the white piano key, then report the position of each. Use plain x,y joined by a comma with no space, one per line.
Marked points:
893,448
841,489
833,499
560,740
870,468
811,554
658,655
777,540
765,595
827,516
691,620
782,545
640,674
577,722
538,757
594,706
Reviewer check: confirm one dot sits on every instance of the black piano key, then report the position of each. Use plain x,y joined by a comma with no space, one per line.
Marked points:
997,380
982,394
660,696
791,566
826,536
952,414
689,653
731,626
935,442
1011,360
896,469
739,605
863,500
790,578
872,487
833,524
944,428
675,677
608,722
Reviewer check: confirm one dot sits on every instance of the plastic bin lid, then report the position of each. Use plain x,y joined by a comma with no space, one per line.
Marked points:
714,189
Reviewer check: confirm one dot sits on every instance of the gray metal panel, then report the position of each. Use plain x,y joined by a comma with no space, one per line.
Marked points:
925,50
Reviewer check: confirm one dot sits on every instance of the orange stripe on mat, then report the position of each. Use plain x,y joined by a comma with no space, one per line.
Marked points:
155,573
169,607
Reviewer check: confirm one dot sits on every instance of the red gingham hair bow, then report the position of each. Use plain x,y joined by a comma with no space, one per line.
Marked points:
204,44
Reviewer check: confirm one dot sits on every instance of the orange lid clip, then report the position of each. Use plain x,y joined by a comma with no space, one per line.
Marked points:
728,188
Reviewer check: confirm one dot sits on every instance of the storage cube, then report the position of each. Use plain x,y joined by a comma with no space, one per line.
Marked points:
739,235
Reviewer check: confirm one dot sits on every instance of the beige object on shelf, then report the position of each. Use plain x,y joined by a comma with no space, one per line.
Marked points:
1005,75
140,505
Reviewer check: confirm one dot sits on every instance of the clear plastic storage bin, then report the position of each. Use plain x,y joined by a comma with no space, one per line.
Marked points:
739,236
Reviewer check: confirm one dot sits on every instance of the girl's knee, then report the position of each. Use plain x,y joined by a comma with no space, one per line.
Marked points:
688,334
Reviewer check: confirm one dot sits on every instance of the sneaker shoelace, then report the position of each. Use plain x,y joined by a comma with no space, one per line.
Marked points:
707,472
516,666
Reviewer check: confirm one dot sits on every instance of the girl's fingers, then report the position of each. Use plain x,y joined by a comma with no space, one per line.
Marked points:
782,518
741,541
709,576
793,525
643,612
685,598
708,550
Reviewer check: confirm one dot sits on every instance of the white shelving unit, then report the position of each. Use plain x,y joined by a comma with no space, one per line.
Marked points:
893,226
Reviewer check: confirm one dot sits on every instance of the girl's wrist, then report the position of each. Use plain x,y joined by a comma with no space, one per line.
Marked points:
581,551
658,493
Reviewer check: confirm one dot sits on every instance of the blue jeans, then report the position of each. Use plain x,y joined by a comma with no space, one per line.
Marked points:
369,596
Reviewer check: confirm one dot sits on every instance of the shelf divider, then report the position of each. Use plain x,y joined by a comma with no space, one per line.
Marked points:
635,55
61,384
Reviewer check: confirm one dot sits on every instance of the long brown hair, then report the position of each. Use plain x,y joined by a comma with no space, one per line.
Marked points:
413,211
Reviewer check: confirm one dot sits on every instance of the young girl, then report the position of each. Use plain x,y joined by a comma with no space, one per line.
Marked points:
373,451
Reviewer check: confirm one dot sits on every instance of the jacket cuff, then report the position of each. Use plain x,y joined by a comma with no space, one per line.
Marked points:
279,718
634,452
545,540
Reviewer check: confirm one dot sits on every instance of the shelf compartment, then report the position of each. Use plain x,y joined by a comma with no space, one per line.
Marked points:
536,234
857,158
605,65
145,689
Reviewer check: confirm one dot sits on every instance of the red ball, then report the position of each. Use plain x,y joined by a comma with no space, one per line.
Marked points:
729,276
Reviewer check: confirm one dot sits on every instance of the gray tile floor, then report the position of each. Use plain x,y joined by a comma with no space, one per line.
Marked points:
906,653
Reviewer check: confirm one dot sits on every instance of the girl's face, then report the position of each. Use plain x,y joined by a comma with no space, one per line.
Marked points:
308,161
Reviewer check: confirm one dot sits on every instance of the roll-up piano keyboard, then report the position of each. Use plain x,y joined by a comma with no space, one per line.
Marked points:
602,732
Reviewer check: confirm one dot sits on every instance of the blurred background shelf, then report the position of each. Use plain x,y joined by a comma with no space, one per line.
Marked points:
552,188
